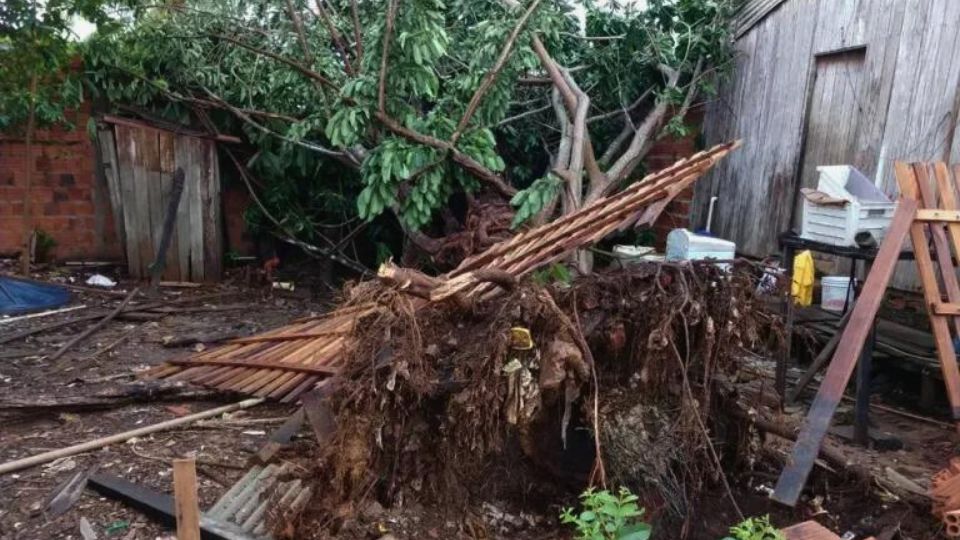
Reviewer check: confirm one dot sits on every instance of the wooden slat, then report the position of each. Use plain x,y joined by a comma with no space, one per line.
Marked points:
195,217
168,166
946,308
143,234
299,368
181,157
794,475
126,148
210,198
108,156
943,216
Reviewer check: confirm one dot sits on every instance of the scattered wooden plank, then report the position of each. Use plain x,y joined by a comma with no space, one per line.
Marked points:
95,444
89,331
185,499
794,475
42,314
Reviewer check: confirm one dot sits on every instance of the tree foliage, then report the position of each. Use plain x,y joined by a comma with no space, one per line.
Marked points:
36,41
395,106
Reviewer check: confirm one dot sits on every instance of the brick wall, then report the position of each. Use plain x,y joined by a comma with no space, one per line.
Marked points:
68,202
666,152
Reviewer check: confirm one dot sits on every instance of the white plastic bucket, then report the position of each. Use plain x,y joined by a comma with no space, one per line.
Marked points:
834,292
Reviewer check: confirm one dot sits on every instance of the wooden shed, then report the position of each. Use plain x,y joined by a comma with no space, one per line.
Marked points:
139,161
824,82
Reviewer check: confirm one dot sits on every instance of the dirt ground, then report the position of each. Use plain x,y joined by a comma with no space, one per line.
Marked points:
224,445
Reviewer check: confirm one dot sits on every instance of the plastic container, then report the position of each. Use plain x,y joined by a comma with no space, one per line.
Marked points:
835,291
861,207
683,245
626,255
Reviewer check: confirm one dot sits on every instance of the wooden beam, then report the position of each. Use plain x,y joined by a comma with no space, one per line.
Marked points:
185,499
794,475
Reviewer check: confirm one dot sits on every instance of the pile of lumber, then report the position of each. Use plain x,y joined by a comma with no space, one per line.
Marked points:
284,363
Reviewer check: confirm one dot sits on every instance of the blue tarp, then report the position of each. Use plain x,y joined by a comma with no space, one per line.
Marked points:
18,296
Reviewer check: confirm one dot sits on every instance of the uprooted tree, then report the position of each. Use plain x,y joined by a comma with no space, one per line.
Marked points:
400,105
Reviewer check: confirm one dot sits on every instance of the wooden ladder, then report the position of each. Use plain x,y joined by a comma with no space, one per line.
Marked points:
937,220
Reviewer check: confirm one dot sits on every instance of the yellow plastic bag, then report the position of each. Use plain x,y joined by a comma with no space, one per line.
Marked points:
802,286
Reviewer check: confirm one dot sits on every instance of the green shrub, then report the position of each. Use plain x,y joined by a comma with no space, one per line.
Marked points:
608,517
756,528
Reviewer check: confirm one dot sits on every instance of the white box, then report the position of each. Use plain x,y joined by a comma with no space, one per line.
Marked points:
845,203
683,245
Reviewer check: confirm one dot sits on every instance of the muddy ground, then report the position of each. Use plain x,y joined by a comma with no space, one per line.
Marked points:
223,446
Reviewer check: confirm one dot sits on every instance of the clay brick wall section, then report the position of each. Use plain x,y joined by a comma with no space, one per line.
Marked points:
666,152
68,201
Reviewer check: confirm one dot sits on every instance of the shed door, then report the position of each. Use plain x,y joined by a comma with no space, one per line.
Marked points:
139,163
833,115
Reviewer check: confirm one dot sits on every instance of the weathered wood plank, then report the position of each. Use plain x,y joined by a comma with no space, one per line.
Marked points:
154,188
195,216
111,171
167,167
126,150
181,156
210,197
794,475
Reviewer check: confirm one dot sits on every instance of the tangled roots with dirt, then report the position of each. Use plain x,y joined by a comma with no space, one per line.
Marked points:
619,378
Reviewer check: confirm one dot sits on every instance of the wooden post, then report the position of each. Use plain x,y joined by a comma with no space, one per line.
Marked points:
185,498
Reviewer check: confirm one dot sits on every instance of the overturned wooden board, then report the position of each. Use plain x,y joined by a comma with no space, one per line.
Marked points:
794,475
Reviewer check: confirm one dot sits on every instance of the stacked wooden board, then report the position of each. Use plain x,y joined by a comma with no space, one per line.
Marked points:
286,362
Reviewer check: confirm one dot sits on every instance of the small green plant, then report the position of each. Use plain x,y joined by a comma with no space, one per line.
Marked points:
755,528
608,517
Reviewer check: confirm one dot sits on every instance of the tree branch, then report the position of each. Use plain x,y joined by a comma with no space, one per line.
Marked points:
623,110
468,163
298,28
279,58
645,135
357,34
335,36
387,36
491,75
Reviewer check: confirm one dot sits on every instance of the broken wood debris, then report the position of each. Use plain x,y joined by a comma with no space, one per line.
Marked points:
283,365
